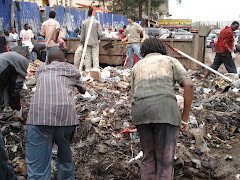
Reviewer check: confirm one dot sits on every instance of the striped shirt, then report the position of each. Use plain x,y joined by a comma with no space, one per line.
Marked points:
53,102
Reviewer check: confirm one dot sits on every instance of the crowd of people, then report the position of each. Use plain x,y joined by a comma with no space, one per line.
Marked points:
52,115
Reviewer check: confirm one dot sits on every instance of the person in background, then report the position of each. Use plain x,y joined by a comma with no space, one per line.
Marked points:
50,32
3,43
39,47
155,111
14,36
52,118
62,46
170,35
78,55
92,52
109,33
74,33
133,30
35,41
26,37
225,50
212,43
8,39
121,33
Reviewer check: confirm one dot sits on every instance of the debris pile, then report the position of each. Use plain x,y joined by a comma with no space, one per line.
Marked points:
106,145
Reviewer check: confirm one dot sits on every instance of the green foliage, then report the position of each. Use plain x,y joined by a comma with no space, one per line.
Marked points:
125,7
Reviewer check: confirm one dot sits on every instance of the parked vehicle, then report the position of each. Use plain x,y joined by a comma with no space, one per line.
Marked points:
154,32
178,35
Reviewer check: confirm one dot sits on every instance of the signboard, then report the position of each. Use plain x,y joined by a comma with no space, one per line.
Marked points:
186,23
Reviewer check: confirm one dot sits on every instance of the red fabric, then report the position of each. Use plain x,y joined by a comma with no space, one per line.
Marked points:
7,49
225,40
212,43
121,35
135,60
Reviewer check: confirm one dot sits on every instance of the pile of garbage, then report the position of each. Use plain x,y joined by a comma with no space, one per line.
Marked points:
106,145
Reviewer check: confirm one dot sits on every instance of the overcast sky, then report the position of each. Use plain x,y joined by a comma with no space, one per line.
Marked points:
205,10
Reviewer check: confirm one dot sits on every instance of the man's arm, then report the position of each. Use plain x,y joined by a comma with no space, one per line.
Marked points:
83,34
143,33
99,31
188,97
56,37
226,39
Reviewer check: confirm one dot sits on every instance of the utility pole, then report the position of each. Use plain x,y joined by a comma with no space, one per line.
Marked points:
149,11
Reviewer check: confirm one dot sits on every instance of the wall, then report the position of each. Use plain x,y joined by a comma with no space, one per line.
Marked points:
71,18
27,13
5,14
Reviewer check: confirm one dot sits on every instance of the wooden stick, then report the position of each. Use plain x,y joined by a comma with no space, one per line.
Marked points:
86,42
203,65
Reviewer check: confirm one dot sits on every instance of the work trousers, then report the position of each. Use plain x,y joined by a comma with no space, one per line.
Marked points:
226,59
158,142
92,57
39,142
77,56
6,172
135,48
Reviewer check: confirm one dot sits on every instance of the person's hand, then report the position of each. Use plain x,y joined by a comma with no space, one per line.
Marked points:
236,83
184,122
143,39
124,40
233,55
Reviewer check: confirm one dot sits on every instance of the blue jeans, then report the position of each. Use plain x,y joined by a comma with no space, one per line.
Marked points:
212,46
135,48
48,50
39,142
6,172
28,53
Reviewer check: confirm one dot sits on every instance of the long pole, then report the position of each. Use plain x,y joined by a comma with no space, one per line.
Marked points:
86,41
203,65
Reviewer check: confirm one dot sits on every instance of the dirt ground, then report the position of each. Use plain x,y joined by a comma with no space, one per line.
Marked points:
209,149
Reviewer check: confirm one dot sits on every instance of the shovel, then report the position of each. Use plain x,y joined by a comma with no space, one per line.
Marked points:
110,45
205,66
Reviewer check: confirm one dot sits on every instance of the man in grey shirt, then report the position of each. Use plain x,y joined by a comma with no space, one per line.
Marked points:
92,53
13,69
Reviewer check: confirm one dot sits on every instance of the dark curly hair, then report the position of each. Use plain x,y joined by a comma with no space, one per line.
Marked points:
152,45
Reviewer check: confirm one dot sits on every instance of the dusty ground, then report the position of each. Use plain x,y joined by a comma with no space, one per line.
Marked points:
201,152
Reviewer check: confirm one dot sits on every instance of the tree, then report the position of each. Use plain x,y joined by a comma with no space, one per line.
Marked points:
135,7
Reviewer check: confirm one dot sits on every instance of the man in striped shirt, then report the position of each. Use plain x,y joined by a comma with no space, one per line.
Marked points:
52,118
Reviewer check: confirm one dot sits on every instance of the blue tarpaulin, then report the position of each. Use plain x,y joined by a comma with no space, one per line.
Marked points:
5,14
27,14
69,19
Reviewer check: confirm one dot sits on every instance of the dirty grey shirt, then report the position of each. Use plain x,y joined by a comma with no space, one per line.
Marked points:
21,64
153,80
96,32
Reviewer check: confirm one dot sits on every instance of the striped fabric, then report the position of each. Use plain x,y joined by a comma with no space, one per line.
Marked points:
53,102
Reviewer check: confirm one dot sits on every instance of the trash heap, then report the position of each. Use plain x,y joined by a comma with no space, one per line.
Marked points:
106,145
